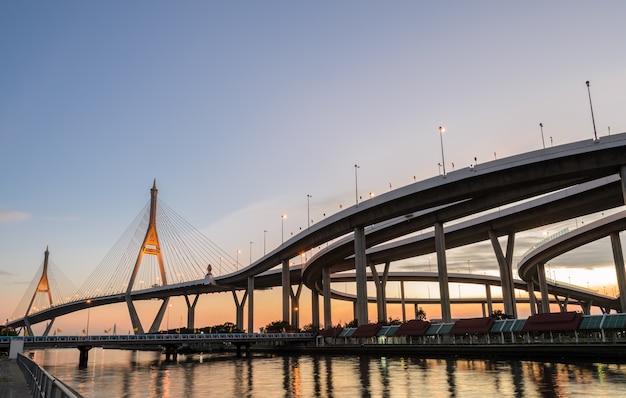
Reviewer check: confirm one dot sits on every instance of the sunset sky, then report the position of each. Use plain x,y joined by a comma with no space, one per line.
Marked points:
240,110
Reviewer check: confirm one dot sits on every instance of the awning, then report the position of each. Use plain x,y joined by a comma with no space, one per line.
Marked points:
413,328
367,330
472,325
552,322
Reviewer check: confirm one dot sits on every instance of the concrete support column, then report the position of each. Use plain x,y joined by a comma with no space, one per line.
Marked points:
251,304
158,319
618,258
543,288
295,306
489,300
239,308
506,272
315,309
326,292
531,297
442,273
286,290
402,301
622,173
191,311
360,266
381,291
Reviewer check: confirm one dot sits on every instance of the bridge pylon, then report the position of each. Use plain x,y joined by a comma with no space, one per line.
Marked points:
43,286
152,247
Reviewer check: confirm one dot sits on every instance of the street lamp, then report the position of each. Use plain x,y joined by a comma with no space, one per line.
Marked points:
88,302
356,184
251,251
308,212
238,251
264,239
443,161
282,227
542,140
595,135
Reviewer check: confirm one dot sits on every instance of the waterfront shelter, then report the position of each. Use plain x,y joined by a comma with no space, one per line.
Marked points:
367,332
438,333
387,334
329,335
346,334
507,330
476,330
563,324
413,329
600,328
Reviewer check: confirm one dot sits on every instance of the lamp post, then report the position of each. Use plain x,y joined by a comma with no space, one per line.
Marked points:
308,208
356,184
88,302
251,251
282,227
443,161
542,140
264,240
595,135
238,251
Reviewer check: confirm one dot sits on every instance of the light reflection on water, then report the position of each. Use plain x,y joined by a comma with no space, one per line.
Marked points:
117,373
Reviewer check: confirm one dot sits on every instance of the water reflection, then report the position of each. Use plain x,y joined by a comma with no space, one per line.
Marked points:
146,374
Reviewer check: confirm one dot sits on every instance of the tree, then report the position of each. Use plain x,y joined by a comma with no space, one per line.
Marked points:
309,328
279,327
499,314
420,315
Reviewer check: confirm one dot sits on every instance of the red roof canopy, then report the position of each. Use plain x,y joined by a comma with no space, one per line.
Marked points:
472,325
552,321
331,332
413,327
367,330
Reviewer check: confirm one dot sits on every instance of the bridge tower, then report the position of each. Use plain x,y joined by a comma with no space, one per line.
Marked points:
43,286
150,246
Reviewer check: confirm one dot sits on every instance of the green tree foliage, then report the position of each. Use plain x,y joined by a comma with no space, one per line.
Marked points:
421,314
279,327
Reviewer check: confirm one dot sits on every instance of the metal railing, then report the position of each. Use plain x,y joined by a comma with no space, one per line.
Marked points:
41,383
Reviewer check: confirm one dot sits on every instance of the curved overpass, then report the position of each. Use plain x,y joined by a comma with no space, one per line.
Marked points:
445,199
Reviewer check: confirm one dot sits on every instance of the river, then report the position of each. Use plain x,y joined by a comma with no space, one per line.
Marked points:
118,373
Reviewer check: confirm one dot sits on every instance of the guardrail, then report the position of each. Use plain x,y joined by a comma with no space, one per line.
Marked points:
43,384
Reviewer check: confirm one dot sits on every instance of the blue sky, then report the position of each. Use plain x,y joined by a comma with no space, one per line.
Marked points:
239,110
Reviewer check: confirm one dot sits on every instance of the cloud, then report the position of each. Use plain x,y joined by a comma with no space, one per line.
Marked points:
10,216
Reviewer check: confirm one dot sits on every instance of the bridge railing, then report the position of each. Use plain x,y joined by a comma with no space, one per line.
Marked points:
42,383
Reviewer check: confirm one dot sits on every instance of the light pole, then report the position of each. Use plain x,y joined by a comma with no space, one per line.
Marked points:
251,251
88,302
356,184
443,161
595,135
308,208
264,240
282,227
238,251
542,140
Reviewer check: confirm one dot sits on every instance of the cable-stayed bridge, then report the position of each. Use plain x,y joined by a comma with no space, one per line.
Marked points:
161,256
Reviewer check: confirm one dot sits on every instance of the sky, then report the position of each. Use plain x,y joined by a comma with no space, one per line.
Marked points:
240,110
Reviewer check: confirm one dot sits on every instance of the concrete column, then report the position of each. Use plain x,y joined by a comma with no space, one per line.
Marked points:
295,306
442,272
315,309
360,266
326,291
543,288
158,319
506,272
191,311
381,291
622,173
239,308
286,290
618,258
251,304
402,301
532,298
489,300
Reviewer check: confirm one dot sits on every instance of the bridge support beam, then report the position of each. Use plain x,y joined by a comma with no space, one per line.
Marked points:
295,306
328,322
83,356
191,312
531,297
543,288
360,266
402,303
250,304
158,319
134,318
286,289
48,327
489,300
442,272
239,308
381,291
618,258
315,309
505,263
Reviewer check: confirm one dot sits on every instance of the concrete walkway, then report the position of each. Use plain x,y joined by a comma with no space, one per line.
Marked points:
12,381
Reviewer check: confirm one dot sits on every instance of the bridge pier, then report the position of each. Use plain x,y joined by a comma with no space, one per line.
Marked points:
286,289
543,288
83,355
506,271
618,258
295,306
239,308
191,311
360,265
328,323
315,309
381,294
247,347
171,352
442,270
250,304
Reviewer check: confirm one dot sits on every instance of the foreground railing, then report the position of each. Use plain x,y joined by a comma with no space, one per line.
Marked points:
43,384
